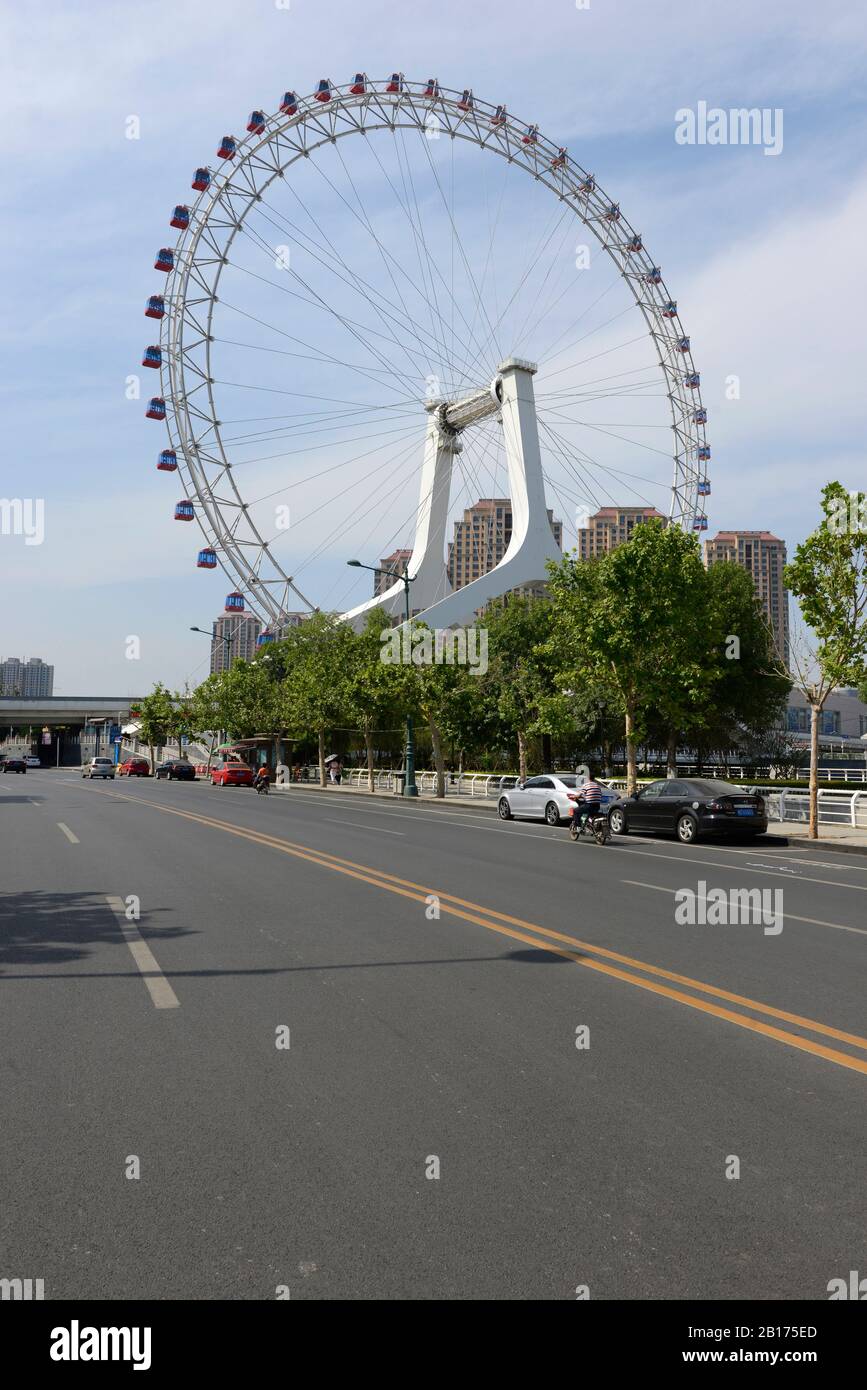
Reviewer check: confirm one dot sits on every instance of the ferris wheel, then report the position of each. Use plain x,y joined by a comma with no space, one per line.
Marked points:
368,322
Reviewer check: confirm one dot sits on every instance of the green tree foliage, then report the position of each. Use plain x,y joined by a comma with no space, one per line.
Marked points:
636,618
829,579
156,718
315,694
522,680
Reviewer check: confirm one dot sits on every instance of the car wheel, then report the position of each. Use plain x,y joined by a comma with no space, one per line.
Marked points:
168,776
687,829
552,813
617,822
504,810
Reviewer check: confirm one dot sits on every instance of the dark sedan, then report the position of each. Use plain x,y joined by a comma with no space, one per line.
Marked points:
176,769
14,765
690,807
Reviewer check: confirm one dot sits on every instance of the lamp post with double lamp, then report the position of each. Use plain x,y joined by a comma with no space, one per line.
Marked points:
409,786
227,647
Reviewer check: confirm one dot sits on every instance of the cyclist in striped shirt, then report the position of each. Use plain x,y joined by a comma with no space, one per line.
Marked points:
589,799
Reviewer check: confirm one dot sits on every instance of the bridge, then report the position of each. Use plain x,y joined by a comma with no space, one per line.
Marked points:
78,725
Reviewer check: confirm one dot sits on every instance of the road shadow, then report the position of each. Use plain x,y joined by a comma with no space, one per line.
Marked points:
5,798
539,957
43,928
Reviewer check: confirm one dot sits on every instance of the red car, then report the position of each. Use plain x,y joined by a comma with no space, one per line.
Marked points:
134,767
235,774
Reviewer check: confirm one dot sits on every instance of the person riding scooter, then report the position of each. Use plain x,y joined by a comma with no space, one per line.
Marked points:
262,780
589,801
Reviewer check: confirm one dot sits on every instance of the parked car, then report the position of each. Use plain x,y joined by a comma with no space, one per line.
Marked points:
231,774
32,760
689,807
134,767
176,770
551,797
14,764
98,767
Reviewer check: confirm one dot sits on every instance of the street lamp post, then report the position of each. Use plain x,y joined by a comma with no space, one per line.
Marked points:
409,786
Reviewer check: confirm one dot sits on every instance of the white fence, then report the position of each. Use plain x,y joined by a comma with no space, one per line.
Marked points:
473,784
836,807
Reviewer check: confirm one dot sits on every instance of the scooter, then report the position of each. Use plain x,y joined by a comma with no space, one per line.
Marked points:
597,826
261,786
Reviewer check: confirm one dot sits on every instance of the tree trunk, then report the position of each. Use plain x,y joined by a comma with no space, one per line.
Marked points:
522,755
815,711
151,751
322,775
438,758
672,753
368,743
631,760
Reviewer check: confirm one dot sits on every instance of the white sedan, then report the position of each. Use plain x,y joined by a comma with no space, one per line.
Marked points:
551,797
32,761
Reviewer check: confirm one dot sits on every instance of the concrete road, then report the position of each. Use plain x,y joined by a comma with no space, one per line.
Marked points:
370,1050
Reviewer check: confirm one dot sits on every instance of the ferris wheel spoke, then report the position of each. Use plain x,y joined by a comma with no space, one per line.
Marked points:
532,262
314,354
356,330
387,257
460,246
430,271
340,529
353,281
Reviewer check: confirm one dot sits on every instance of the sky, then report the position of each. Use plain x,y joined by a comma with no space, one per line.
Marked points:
764,253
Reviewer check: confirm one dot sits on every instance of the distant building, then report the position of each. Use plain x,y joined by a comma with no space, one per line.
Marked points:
763,555
30,679
394,562
610,527
481,540
844,715
234,636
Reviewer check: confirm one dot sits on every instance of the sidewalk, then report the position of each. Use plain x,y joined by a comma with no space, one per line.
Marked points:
846,838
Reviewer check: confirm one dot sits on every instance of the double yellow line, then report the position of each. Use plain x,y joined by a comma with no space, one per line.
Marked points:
584,953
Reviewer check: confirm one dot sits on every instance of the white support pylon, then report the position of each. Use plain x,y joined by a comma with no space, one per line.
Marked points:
426,569
532,541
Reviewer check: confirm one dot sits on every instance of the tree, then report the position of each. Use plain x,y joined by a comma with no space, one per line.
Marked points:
522,671
828,578
633,618
315,694
156,717
373,687
749,682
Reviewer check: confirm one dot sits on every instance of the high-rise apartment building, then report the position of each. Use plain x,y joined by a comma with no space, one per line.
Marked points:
27,679
610,527
394,562
234,636
481,539
763,555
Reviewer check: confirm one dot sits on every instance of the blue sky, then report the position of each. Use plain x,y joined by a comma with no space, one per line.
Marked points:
765,256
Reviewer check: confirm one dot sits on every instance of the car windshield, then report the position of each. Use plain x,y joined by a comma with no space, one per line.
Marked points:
566,779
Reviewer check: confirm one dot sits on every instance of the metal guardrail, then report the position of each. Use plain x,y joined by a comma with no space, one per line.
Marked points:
836,807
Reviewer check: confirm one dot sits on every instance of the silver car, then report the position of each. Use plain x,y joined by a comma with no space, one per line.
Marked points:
551,797
98,767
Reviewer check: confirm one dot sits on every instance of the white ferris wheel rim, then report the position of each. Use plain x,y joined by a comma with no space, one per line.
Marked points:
201,253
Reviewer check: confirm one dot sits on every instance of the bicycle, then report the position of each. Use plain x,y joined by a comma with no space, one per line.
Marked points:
597,826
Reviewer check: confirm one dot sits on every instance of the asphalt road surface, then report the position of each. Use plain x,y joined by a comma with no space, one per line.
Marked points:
437,1126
